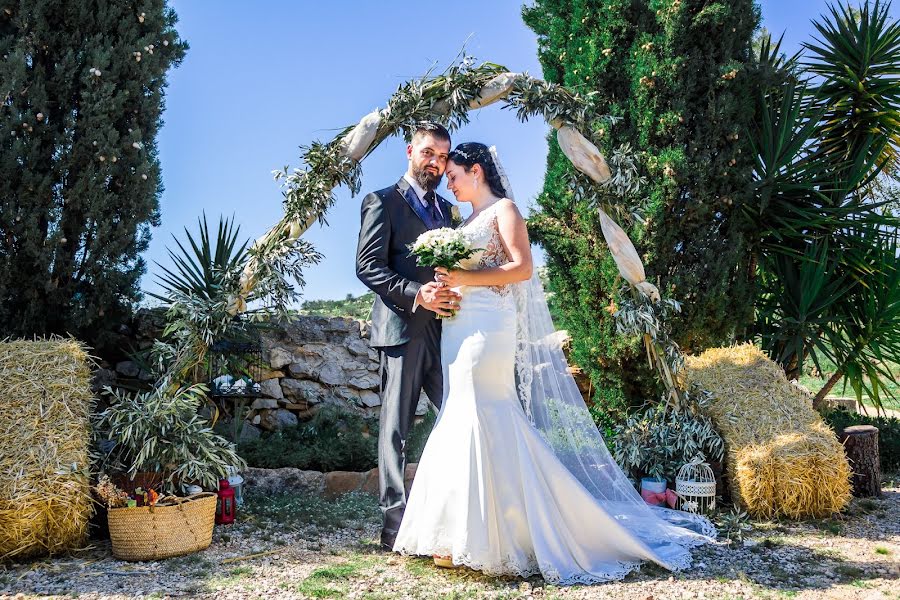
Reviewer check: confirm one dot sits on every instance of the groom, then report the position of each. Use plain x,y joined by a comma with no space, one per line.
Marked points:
405,329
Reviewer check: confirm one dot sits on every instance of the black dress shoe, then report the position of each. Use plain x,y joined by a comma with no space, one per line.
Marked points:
388,539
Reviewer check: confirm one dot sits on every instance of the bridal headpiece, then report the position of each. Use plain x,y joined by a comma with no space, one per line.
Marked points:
504,180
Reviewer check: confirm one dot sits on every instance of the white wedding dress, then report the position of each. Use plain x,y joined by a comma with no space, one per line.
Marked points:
490,491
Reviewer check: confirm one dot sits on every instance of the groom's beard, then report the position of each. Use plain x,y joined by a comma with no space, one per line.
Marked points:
426,180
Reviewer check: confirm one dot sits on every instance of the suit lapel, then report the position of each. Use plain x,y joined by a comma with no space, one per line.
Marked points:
409,195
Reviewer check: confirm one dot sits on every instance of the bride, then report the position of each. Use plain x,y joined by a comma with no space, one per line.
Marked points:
515,478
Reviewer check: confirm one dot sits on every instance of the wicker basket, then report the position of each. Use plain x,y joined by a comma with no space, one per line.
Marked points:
173,527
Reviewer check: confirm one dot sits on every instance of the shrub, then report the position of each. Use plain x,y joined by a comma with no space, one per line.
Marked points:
160,431
335,439
888,434
658,442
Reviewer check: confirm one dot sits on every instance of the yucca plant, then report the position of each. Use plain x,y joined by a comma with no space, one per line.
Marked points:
821,139
797,303
195,292
865,340
201,269
856,57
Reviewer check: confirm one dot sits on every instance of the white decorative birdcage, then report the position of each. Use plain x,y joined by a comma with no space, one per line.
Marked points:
695,486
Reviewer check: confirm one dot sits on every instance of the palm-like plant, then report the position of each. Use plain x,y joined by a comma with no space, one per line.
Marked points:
866,339
821,139
196,291
857,60
202,270
797,303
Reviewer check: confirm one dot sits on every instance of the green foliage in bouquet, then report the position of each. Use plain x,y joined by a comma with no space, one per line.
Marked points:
162,432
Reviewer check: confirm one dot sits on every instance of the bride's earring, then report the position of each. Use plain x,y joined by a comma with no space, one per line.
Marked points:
476,182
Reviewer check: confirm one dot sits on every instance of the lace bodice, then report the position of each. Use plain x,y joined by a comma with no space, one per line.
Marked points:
482,232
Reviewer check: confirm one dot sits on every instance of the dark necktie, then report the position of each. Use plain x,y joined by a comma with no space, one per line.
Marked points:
433,211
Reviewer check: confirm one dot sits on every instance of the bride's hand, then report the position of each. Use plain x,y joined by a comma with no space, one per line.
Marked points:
450,278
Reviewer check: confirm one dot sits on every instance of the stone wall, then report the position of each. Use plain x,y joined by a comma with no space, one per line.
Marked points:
316,361
310,363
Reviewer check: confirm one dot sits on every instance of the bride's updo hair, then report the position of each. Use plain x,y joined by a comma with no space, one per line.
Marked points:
468,154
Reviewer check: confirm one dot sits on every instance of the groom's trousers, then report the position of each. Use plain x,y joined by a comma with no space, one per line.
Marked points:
406,370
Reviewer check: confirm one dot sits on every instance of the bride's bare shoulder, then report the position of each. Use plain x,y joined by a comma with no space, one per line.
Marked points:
506,208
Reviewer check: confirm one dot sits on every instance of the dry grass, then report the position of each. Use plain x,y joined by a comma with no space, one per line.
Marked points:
45,499
783,460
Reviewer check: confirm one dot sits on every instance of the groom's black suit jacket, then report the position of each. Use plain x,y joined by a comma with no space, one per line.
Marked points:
392,219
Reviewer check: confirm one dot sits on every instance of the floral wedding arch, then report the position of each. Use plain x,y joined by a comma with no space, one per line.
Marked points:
447,98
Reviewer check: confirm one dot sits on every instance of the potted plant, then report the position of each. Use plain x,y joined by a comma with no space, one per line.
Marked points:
161,433
651,446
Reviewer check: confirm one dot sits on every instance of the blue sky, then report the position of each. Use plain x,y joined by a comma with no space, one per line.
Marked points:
260,79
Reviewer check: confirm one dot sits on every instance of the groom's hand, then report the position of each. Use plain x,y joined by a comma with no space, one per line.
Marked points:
438,299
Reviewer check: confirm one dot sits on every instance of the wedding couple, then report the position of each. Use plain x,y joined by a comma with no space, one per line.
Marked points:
515,479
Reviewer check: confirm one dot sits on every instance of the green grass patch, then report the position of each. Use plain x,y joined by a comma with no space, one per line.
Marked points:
882,551
330,581
305,509
829,526
420,567
890,397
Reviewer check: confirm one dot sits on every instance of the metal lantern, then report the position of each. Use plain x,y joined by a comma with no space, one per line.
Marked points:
235,368
695,485
235,371
236,481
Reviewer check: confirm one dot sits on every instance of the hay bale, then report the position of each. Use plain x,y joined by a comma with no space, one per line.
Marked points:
45,500
782,459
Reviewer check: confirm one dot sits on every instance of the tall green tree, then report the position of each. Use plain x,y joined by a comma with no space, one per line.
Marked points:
679,75
82,88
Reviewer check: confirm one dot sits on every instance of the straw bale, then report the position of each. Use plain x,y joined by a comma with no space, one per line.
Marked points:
782,459
45,500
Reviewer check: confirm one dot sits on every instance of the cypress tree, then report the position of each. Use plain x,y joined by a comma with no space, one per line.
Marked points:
82,86
680,76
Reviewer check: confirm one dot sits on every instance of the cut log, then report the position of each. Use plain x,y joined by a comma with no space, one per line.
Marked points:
861,445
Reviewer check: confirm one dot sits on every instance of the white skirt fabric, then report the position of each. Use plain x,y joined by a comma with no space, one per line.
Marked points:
490,492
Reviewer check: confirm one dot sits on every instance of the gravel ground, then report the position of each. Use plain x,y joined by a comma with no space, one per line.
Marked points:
310,548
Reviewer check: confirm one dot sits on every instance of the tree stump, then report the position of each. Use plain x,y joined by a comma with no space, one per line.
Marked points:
861,445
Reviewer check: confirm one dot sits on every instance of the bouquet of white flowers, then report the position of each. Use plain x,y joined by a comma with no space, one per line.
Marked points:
443,247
